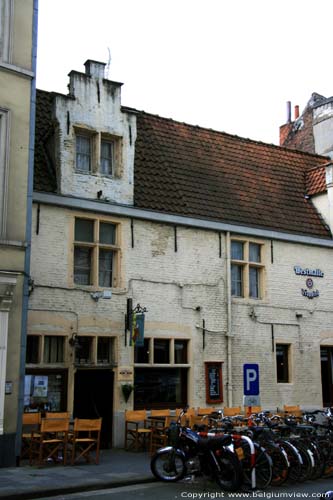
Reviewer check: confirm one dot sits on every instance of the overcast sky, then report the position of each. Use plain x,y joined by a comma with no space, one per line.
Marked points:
230,65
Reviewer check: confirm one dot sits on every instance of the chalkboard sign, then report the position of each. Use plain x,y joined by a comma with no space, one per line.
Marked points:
214,392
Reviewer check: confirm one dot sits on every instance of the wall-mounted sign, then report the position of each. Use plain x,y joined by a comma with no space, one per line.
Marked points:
317,273
214,382
125,373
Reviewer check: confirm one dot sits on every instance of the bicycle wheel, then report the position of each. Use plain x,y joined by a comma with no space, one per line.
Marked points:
294,458
263,465
168,465
280,470
307,461
229,477
326,449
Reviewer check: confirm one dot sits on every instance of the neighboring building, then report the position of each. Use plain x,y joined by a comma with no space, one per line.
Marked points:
18,23
214,234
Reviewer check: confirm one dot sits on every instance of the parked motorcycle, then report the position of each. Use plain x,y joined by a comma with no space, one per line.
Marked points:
190,454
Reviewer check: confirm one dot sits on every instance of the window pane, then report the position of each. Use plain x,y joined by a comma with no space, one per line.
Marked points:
83,153
32,353
106,157
103,350
282,368
237,250
82,265
141,353
180,351
84,230
161,351
53,349
107,233
105,268
83,351
254,282
254,252
160,388
236,280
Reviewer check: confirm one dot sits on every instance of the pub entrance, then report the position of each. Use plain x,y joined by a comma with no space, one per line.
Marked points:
326,357
93,398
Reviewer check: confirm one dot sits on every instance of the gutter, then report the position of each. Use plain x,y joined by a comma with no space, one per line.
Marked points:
27,256
139,213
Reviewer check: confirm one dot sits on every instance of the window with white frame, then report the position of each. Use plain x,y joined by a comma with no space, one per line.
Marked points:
96,253
97,153
247,269
6,16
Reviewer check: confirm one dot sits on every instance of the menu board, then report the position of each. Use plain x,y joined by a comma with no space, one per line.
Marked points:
214,392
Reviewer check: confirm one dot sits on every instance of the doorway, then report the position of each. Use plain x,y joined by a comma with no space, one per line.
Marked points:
326,358
93,398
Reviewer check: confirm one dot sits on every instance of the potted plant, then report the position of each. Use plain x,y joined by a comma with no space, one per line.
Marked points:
127,389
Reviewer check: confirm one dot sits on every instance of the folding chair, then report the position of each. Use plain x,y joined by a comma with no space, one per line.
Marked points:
159,435
57,414
86,439
30,423
232,411
205,411
51,442
294,410
137,432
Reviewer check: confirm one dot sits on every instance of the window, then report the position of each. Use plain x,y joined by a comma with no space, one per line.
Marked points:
6,15
96,153
32,352
83,153
282,363
155,386
104,350
83,352
95,253
53,349
246,269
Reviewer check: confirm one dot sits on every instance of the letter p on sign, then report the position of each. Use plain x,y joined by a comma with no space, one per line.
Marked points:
251,379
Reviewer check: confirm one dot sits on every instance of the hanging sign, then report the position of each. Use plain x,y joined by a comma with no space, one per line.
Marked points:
138,329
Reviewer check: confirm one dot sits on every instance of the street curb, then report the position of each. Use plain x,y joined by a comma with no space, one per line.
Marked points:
76,489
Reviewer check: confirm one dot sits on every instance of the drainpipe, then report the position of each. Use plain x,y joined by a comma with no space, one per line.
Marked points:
25,297
229,327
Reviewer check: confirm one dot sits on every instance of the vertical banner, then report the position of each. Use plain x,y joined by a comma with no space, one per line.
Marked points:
138,330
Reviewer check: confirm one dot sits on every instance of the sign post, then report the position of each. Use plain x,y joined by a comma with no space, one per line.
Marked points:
251,386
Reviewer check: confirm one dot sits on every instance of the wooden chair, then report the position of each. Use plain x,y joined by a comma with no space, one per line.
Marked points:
249,410
232,411
160,413
205,411
198,421
30,424
85,439
186,418
137,432
57,414
293,410
159,435
50,443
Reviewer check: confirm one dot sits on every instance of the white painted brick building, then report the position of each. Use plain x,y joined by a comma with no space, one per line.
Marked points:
218,282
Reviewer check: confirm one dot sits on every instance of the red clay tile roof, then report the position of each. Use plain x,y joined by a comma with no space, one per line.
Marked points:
192,171
187,170
316,181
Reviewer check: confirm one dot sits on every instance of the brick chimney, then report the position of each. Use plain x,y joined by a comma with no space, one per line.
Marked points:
286,128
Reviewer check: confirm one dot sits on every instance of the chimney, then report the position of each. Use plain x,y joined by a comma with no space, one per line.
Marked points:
288,111
296,112
95,68
286,128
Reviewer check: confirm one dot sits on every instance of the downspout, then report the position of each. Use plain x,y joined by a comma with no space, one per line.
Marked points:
229,324
27,256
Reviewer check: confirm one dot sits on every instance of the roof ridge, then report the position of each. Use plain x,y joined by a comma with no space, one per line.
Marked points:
220,132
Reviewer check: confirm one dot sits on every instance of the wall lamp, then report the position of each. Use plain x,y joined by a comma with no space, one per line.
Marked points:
74,341
106,294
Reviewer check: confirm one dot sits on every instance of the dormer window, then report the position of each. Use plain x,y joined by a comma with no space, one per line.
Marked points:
106,162
83,153
97,153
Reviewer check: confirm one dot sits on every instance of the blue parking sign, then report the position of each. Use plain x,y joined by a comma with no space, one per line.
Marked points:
251,379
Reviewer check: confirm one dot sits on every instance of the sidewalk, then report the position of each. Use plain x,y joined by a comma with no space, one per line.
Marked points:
116,468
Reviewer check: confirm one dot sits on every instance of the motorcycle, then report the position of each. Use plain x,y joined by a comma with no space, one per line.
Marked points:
190,454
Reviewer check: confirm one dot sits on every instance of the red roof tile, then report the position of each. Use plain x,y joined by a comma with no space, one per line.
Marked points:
316,181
